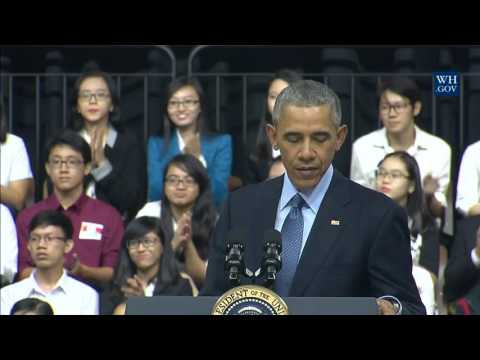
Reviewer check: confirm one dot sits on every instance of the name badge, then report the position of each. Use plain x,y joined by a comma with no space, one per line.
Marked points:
90,231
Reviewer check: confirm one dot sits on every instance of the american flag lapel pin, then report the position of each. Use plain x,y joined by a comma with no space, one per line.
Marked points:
335,222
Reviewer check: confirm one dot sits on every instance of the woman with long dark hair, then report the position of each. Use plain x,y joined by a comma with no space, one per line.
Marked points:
146,267
187,212
261,160
185,131
398,177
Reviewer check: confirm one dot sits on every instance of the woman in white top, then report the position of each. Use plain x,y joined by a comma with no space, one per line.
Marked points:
187,212
468,186
16,180
147,267
9,246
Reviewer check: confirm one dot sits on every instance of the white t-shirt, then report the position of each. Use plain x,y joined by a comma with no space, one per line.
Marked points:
426,288
14,162
433,156
69,296
9,244
468,185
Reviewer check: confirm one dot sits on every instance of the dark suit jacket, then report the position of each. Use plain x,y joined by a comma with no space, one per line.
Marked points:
367,255
461,275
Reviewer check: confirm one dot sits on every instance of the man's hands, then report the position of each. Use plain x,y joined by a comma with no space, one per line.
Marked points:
385,307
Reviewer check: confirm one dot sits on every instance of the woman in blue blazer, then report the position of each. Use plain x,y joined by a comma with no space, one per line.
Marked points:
184,131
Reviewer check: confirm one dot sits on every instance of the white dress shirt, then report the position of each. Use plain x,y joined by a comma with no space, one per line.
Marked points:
9,244
468,185
433,156
68,297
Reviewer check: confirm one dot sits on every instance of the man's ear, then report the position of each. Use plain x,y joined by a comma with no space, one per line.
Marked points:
417,108
88,168
47,170
342,132
272,135
411,187
68,245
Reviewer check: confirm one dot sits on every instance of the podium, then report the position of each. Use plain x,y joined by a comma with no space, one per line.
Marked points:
203,305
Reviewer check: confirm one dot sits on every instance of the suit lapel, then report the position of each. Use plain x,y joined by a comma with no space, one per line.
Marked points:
264,215
323,234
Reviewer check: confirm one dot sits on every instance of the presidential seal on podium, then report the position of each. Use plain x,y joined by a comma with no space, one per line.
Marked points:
250,300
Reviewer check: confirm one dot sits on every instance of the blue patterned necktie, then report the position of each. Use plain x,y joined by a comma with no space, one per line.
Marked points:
292,233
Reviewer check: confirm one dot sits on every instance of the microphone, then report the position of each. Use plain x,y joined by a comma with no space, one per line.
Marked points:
272,262
234,263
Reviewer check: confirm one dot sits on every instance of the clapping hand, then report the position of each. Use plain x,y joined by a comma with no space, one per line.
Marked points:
192,146
96,145
135,287
183,234
430,185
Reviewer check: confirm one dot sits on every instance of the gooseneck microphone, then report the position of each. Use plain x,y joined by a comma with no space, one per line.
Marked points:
234,262
272,261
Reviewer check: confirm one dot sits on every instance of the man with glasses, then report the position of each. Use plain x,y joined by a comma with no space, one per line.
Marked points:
49,240
399,106
97,226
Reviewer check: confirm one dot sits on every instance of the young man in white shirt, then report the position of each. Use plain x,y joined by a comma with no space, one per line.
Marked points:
399,106
50,238
468,186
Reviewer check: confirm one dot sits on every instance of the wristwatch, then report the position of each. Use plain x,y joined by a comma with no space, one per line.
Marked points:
397,305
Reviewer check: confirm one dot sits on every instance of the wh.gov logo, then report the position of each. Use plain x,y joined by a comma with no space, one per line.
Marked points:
446,83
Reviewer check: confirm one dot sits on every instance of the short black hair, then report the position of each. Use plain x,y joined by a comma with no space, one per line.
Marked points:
52,218
71,139
34,305
402,86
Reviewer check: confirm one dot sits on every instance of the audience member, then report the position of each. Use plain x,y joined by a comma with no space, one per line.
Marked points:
9,247
261,160
98,227
399,106
187,213
49,240
185,131
147,267
468,185
399,178
16,180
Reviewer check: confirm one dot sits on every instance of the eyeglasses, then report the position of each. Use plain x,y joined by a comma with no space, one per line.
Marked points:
147,242
86,96
176,180
394,175
35,239
188,103
398,107
70,163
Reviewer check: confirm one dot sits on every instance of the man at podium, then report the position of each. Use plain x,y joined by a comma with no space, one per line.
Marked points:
338,238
